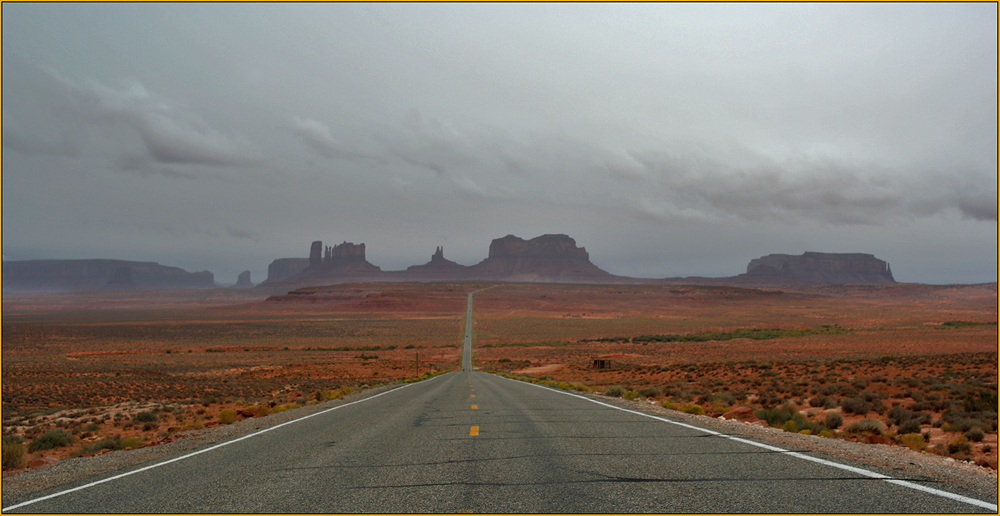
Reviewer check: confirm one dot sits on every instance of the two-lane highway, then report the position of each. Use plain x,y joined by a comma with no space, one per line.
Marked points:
474,442
467,341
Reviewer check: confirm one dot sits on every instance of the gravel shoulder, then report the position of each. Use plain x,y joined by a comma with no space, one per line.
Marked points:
897,461
24,482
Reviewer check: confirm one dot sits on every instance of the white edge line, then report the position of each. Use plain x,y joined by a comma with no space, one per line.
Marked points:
220,445
860,471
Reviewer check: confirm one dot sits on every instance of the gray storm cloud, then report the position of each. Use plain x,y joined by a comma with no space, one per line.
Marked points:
169,135
689,184
16,140
318,137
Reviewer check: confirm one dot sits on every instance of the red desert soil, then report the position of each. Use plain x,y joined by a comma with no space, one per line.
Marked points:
89,363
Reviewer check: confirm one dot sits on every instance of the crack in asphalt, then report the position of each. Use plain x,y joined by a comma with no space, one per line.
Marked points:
613,480
533,456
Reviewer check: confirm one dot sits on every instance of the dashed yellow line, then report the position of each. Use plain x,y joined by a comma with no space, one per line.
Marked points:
475,407
474,431
473,395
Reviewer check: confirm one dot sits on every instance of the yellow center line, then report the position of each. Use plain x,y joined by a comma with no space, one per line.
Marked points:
474,431
475,407
473,395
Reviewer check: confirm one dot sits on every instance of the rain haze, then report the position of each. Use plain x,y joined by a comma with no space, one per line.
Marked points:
668,139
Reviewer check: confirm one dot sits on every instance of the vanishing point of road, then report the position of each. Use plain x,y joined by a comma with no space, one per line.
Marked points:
475,442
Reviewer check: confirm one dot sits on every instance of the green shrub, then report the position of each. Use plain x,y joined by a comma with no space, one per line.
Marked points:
866,426
109,443
697,410
723,398
822,401
910,426
146,417
775,417
131,442
649,392
868,396
964,425
790,426
914,441
669,404
975,434
14,452
855,406
631,395
227,416
51,439
960,445
616,391
833,420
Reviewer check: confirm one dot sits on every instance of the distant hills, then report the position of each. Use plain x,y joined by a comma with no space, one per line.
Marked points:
547,259
99,274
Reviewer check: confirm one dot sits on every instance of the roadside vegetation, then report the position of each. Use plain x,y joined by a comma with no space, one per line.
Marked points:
741,333
946,405
70,433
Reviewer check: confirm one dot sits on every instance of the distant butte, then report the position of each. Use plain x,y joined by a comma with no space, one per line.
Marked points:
438,268
805,269
548,258
818,268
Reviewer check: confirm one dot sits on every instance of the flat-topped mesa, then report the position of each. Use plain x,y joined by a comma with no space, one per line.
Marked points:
98,274
548,258
545,246
820,268
282,268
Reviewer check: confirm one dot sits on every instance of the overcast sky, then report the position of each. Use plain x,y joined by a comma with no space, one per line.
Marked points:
668,139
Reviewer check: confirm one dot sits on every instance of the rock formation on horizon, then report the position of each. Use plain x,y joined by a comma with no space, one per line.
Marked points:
343,254
98,274
439,268
325,266
555,258
817,268
283,268
243,280
547,258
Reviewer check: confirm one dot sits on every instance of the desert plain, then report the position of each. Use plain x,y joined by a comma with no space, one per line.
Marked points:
891,365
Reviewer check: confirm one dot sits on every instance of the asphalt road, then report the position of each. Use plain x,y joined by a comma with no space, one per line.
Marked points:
474,442
467,342
471,441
